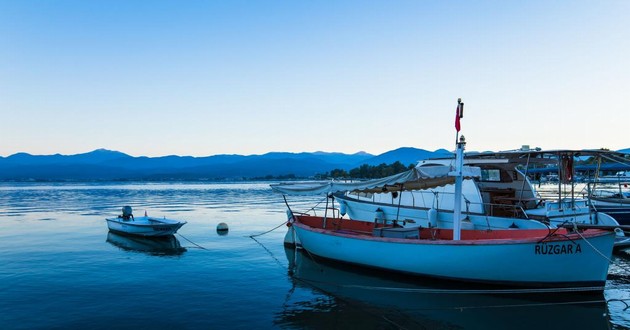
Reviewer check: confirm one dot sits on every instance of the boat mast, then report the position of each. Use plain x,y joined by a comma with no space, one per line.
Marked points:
457,209
459,164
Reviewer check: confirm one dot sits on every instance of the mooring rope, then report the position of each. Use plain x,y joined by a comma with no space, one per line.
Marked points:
268,231
599,252
269,252
197,245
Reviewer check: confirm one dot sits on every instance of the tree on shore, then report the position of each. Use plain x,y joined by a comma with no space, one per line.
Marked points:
366,171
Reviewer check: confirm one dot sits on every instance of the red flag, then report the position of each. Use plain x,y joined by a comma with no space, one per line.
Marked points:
457,116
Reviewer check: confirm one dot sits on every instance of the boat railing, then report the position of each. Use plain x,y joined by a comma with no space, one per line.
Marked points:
607,190
326,211
512,207
417,198
515,210
493,209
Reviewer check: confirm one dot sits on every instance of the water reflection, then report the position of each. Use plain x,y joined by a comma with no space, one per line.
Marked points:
158,246
332,295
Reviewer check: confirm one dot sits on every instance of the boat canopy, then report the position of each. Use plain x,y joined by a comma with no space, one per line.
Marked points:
421,177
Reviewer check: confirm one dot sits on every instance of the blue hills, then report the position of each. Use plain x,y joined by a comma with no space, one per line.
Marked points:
105,164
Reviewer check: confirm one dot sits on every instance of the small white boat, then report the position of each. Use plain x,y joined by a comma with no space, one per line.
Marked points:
143,226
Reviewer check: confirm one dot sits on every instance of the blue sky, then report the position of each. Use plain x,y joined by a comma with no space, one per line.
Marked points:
199,78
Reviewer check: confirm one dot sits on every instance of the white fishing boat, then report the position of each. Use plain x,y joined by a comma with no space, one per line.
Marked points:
143,226
515,257
502,189
448,243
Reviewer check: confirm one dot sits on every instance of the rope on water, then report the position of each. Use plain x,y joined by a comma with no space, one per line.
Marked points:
193,243
268,231
268,251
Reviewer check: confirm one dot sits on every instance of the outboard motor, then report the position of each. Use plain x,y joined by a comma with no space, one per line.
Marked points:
127,213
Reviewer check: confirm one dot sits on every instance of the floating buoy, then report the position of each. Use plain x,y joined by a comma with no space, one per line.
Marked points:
222,228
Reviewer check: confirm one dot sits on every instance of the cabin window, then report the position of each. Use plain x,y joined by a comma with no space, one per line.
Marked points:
492,175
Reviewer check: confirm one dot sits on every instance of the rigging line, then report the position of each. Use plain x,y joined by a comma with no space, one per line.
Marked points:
553,232
197,245
314,206
621,161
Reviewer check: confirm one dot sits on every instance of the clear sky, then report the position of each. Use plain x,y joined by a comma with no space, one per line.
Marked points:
200,78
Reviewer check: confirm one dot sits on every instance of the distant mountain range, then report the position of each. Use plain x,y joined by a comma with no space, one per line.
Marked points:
102,164
105,164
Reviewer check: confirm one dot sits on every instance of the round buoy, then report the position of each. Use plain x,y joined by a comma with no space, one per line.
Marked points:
222,228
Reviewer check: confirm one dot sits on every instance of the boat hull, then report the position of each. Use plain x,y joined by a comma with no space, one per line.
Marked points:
559,262
145,226
620,211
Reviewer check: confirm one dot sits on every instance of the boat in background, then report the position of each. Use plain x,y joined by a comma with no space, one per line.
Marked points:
503,189
612,199
143,226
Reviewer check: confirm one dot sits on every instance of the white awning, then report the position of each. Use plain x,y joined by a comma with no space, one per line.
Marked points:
424,177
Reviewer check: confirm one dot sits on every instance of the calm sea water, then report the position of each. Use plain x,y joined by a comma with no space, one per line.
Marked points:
61,269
